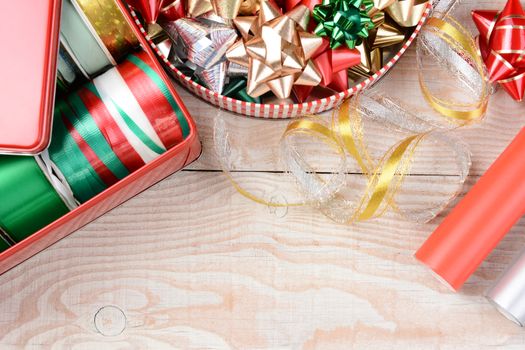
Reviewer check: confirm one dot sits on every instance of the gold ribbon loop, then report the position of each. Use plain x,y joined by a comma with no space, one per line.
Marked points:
460,43
345,137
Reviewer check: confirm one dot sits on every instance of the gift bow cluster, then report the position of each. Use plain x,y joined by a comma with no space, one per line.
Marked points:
502,46
277,50
175,9
280,49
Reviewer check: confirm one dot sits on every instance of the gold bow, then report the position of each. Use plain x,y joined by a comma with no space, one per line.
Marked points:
406,13
277,50
387,34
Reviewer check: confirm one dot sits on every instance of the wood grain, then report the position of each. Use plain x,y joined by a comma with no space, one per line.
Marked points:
191,264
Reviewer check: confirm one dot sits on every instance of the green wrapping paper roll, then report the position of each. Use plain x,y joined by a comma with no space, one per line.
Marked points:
28,202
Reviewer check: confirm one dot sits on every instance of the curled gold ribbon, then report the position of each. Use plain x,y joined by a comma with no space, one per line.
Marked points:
384,178
344,136
458,42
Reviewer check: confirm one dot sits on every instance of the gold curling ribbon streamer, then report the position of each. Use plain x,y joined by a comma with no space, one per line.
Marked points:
222,148
345,136
461,42
383,179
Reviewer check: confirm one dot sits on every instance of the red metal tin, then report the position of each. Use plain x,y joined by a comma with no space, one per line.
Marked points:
28,73
165,165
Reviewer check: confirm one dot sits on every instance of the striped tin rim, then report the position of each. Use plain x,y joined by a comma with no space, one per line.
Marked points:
279,111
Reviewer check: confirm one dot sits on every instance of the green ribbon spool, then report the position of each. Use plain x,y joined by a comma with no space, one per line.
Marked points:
3,244
65,153
28,201
343,21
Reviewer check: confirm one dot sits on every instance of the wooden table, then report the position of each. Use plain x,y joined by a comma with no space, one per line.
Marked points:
191,264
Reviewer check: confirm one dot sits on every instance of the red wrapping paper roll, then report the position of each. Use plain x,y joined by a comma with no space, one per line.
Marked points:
472,230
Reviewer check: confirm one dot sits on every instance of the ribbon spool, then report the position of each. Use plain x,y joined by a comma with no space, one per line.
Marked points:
4,245
113,125
108,24
81,44
95,35
69,73
29,201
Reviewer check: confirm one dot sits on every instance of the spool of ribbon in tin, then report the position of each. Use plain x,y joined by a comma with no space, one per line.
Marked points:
104,131
108,25
113,125
94,35
34,194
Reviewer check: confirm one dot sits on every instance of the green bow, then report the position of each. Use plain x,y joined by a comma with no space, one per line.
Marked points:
236,89
344,21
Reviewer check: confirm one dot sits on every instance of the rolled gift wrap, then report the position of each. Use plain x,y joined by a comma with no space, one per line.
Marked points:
508,293
476,225
28,201
114,125
81,44
107,22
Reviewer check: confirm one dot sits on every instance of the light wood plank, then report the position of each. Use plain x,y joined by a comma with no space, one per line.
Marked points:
191,264
198,266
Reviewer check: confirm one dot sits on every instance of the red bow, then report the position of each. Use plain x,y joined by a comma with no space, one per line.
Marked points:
502,46
149,9
333,66
290,4
172,12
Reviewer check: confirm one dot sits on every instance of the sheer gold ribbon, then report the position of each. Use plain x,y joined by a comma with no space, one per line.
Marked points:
384,178
344,136
458,42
